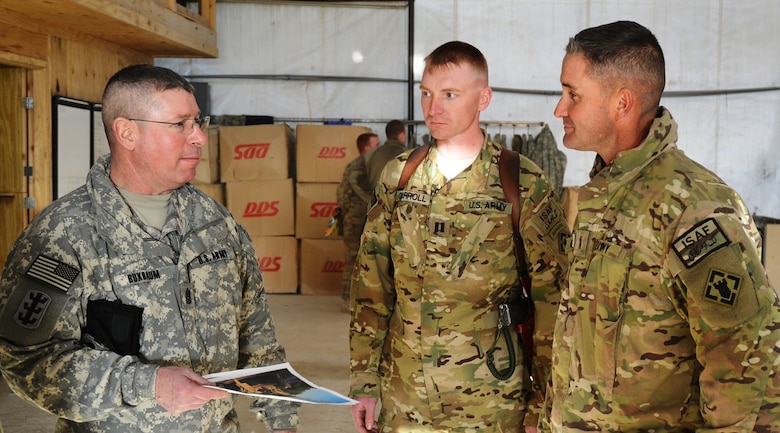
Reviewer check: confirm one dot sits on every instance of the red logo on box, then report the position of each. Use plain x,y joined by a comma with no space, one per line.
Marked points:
333,266
261,209
323,209
332,152
251,151
270,264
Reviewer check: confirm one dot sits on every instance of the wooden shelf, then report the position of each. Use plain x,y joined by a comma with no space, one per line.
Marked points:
160,28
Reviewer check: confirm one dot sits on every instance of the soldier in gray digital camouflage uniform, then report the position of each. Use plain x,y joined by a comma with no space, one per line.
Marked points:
435,262
669,322
120,295
353,195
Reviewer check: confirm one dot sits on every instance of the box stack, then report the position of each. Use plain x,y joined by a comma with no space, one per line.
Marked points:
322,153
284,199
255,168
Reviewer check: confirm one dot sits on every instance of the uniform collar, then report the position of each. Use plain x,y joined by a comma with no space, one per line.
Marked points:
661,138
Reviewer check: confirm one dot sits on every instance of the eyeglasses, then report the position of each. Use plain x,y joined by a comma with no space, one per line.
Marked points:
186,126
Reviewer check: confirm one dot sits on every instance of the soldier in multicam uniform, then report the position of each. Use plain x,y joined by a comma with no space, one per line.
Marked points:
669,323
395,130
121,294
437,259
354,195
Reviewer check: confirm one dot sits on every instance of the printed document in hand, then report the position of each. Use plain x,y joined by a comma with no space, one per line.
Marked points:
275,381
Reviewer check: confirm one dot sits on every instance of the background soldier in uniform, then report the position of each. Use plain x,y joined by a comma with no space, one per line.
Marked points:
395,130
354,195
120,295
435,262
669,323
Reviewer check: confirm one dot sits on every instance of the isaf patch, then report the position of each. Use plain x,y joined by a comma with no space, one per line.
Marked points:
550,219
722,287
699,242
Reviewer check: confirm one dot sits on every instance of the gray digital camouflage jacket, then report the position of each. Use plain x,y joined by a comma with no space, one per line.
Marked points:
204,308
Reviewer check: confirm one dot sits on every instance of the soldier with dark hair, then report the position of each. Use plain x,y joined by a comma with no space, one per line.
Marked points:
395,130
120,295
353,196
669,322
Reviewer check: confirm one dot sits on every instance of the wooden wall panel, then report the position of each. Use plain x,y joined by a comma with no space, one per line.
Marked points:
149,26
13,125
12,214
20,46
39,139
80,69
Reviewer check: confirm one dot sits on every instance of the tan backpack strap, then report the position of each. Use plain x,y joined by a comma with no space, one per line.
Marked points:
415,158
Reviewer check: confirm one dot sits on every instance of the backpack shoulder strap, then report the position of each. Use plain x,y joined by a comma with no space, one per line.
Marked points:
415,158
509,172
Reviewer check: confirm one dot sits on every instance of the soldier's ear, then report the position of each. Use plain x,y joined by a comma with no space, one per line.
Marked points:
624,102
126,132
484,98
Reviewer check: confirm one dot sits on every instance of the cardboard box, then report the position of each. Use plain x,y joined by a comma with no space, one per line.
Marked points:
208,168
322,265
278,259
255,152
315,205
263,207
213,190
323,151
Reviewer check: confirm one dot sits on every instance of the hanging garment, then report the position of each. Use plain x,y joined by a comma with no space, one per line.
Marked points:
549,157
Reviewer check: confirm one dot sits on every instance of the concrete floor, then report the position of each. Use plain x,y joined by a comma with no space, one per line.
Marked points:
314,333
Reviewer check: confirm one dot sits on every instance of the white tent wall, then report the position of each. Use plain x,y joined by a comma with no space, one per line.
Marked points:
299,61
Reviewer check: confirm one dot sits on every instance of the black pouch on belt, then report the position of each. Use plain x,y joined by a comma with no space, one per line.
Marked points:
113,326
514,313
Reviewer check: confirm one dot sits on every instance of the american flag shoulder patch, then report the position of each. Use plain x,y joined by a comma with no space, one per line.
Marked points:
55,274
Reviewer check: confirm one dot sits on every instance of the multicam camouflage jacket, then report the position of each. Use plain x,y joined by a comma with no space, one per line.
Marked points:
354,192
669,323
204,307
435,262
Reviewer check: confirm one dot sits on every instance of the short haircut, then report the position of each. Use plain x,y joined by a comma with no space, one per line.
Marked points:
624,50
394,128
131,92
457,53
364,140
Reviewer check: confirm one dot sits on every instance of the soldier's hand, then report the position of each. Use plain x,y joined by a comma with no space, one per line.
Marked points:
530,429
180,389
363,414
